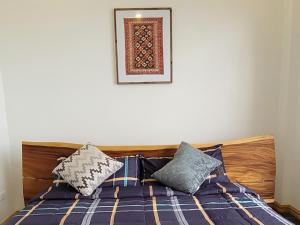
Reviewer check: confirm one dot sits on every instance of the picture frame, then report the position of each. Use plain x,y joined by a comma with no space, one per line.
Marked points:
143,44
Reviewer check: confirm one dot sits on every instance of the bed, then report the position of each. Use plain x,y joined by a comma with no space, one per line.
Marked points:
250,165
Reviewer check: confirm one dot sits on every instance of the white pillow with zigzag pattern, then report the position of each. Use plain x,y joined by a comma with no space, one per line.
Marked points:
87,168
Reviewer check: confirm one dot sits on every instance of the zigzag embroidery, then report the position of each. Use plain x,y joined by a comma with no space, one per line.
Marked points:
74,159
83,171
92,177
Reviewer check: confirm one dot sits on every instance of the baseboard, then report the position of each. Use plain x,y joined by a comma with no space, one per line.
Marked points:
7,219
286,209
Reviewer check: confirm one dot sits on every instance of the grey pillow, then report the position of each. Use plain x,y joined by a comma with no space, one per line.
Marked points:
188,170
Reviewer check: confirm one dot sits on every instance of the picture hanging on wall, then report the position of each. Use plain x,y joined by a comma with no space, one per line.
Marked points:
143,39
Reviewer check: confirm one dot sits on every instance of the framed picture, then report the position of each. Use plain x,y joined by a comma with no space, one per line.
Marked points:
143,38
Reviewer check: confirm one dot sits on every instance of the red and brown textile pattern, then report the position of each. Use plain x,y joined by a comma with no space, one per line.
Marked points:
144,46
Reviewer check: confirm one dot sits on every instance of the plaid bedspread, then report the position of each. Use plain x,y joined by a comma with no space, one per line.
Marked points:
221,203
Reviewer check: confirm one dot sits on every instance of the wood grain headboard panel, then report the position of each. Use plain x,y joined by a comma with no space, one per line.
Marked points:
250,161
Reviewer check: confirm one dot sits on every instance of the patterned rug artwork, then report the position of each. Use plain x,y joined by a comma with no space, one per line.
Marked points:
144,46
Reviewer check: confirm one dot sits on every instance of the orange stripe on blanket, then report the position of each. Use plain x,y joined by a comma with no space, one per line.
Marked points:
68,212
29,212
154,206
113,213
77,196
151,191
149,180
203,211
116,192
43,195
222,187
155,211
240,206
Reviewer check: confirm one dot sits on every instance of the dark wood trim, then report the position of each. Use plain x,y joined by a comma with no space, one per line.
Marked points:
116,44
286,209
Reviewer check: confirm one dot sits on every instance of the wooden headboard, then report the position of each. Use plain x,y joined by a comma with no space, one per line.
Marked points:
250,161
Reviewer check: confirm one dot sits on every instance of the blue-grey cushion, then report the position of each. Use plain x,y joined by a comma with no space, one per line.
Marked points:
187,170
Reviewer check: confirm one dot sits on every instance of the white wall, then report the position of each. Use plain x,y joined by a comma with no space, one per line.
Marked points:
58,64
5,207
288,181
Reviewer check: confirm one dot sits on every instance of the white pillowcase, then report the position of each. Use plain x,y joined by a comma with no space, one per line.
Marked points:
87,168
